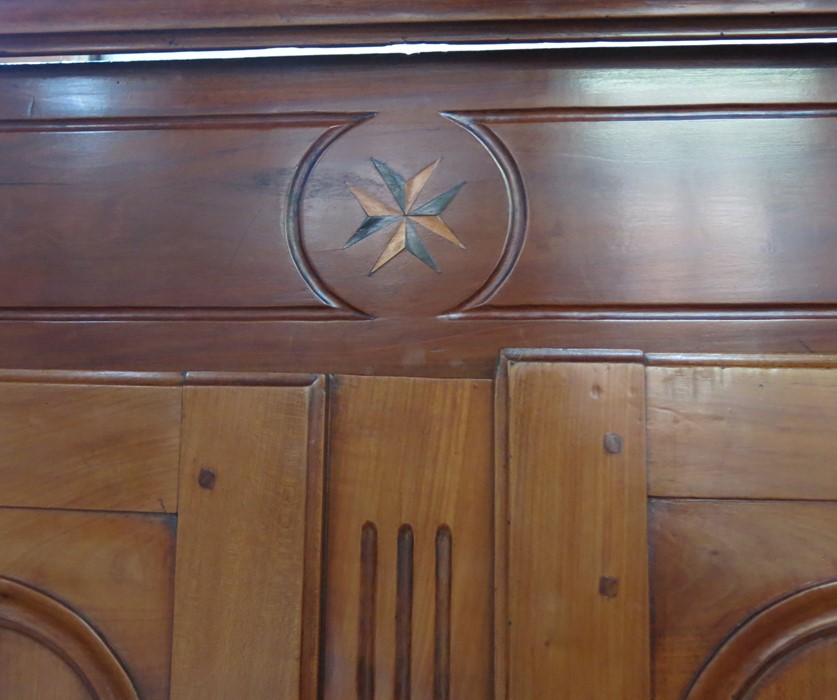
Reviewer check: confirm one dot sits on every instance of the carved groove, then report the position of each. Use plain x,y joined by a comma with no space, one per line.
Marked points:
518,208
441,640
293,217
30,612
768,638
404,613
366,626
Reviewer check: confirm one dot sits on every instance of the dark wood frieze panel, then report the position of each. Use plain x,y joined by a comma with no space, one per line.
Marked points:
161,217
673,201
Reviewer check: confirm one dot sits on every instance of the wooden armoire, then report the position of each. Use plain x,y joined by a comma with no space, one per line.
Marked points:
504,375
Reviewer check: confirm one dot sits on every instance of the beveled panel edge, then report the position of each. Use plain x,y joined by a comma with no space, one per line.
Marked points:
764,25
172,379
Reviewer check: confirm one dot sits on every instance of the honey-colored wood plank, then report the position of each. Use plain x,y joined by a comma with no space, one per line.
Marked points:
717,563
30,670
578,614
115,570
249,483
409,558
738,432
89,447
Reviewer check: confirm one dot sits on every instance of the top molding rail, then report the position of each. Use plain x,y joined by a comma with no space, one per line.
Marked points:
46,27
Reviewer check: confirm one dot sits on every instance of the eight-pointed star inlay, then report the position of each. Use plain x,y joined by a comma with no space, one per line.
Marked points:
380,216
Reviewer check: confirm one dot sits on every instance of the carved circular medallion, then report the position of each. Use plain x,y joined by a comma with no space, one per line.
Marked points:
406,219
29,612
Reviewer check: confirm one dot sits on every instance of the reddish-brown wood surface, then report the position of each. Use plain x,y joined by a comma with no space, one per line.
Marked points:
99,26
196,215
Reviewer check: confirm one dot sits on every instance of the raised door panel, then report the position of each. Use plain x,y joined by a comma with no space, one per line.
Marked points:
32,671
743,599
85,603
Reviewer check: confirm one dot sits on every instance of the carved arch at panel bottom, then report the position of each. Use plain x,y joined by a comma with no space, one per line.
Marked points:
44,619
766,640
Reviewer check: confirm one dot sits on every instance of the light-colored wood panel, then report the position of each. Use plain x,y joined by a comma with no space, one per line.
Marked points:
716,563
409,558
114,570
89,447
577,574
717,432
247,472
31,671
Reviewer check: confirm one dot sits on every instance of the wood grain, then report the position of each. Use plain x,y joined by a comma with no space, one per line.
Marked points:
599,188
716,563
737,432
242,550
809,675
114,570
577,577
32,671
89,447
409,456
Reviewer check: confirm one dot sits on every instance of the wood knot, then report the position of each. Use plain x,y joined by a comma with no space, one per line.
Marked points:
206,478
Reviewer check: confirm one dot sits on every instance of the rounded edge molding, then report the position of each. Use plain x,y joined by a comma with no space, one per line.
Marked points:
475,125
293,217
30,612
766,639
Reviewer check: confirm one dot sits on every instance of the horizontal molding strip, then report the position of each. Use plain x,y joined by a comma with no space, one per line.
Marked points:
546,115
189,378
657,312
244,314
206,121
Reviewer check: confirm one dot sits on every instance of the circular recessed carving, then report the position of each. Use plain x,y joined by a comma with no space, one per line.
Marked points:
43,619
409,219
773,637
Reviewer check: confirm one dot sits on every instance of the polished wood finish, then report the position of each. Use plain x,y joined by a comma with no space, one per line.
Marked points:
94,26
408,578
717,563
90,447
602,191
577,583
250,486
739,432
73,579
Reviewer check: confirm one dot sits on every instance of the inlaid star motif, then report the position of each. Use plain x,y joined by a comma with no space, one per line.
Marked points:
406,217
